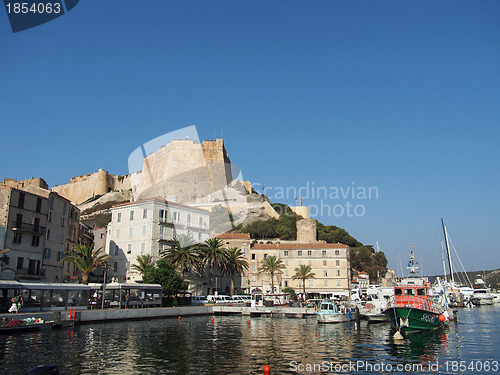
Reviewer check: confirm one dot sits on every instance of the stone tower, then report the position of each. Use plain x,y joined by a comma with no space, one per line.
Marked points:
306,231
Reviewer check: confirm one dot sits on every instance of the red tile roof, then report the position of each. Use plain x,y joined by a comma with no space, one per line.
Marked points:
299,246
232,236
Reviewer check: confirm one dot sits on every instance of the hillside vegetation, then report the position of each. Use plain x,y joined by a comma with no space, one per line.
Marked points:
363,258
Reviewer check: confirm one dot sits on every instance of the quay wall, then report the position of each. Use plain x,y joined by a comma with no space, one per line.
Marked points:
89,316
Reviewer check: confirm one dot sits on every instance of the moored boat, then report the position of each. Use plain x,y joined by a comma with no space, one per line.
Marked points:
482,293
332,312
414,307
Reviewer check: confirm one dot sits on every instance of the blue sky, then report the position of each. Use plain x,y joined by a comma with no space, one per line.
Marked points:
401,96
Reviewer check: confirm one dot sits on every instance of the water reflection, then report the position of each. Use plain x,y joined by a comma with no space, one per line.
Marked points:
231,345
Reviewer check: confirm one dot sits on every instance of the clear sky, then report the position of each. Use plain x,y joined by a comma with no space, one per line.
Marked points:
400,96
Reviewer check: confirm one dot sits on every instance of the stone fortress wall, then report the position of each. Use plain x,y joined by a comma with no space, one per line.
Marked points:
82,188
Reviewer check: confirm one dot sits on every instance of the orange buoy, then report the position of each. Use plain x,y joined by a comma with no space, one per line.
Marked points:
248,322
267,370
212,320
179,317
442,318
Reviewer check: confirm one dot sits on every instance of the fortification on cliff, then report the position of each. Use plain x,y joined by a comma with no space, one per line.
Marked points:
183,171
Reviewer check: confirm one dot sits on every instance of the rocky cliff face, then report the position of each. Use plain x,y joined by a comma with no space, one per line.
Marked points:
183,171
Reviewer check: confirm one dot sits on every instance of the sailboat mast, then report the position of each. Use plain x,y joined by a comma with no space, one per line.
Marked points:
444,266
448,251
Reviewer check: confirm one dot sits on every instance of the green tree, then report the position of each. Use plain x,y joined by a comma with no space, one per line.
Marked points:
214,255
271,265
143,261
86,259
164,273
235,264
303,272
291,291
183,253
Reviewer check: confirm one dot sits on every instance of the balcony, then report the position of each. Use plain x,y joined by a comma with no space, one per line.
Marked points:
26,227
30,273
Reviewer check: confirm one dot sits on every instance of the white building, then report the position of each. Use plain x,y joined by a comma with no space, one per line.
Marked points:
143,227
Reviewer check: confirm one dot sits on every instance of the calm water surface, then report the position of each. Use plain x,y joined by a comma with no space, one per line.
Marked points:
232,346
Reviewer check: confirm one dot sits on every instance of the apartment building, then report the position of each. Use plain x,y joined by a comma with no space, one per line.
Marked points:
144,227
39,227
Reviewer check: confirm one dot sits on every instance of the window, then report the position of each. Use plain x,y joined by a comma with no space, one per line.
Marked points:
118,233
144,213
129,248
131,215
253,267
244,250
285,253
35,241
323,252
130,231
20,202
420,292
115,266
324,263
62,221
325,273
299,253
337,263
177,217
189,220
46,253
38,205
325,283
265,256
61,238
51,217
338,282
199,238
19,220
201,222
338,272
20,262
143,248
116,249
286,284
253,256
118,217
162,232
47,235
254,278
337,252
174,232
60,255
17,237
143,230
309,252
286,273
163,215
51,203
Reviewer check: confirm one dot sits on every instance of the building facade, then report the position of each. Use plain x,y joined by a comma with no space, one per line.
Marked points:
144,227
40,226
329,262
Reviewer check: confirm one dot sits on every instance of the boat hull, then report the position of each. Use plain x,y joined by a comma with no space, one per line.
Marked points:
334,317
410,319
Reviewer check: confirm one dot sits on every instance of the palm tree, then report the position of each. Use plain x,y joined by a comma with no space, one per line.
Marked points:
236,264
87,259
214,255
182,253
303,272
271,265
144,261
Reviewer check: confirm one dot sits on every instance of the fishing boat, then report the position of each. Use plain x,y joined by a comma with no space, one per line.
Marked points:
377,300
414,307
332,312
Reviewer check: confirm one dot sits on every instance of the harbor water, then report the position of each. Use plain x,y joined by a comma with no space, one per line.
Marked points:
243,345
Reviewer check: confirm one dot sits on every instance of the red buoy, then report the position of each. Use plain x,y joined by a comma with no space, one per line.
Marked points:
267,370
179,317
442,318
212,320
248,322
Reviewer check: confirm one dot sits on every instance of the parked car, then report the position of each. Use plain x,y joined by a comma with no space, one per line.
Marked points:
198,300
